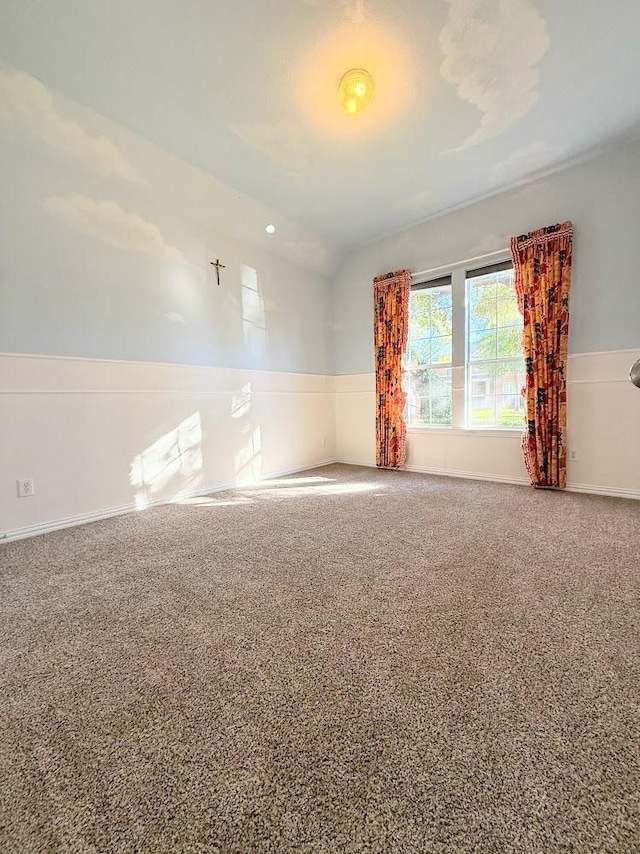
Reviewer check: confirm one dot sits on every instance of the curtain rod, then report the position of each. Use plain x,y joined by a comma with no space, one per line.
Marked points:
460,263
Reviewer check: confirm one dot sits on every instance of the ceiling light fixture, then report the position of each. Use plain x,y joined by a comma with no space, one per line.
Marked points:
356,90
270,229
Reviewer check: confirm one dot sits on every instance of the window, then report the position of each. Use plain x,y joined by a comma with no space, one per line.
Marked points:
495,366
464,365
430,353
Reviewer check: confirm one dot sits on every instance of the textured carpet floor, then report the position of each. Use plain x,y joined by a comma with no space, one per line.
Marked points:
347,660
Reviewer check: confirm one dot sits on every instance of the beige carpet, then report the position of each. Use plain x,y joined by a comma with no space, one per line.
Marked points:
348,660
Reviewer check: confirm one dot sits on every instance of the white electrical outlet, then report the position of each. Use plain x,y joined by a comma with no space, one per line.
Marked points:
573,454
26,488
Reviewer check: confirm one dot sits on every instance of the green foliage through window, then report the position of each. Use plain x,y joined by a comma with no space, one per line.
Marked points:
430,355
495,365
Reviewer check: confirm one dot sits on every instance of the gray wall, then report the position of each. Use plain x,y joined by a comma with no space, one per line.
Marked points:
602,199
105,249
105,244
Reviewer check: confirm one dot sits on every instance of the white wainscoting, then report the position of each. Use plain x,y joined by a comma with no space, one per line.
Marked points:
102,438
604,425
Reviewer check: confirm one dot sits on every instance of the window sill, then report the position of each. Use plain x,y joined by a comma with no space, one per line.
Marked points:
495,432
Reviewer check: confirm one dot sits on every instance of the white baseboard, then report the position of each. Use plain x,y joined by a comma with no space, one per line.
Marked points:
470,475
466,475
366,463
111,512
587,488
608,491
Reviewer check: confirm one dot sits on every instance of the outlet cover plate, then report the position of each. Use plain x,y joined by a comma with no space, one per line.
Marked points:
26,488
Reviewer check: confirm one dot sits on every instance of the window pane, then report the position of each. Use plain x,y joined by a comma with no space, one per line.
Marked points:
511,371
419,352
420,314
430,346
482,378
441,410
495,367
440,381
508,311
481,384
482,303
510,342
510,411
441,311
430,312
429,396
441,350
482,413
482,345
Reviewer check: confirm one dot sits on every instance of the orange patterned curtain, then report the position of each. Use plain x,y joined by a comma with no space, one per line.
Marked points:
542,262
391,329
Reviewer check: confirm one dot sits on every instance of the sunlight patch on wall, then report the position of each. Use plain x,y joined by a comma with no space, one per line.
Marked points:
491,49
174,461
26,103
110,223
253,315
241,402
248,460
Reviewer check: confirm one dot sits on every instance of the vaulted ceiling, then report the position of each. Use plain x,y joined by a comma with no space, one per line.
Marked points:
471,95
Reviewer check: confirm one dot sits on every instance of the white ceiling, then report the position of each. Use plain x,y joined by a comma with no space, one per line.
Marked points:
471,95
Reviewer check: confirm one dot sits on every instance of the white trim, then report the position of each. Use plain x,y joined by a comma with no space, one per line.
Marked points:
596,382
191,391
136,362
607,491
457,264
466,475
363,463
605,352
122,510
206,393
585,488
112,512
491,432
53,357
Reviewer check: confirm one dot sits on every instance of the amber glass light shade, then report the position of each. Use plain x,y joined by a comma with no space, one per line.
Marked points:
356,90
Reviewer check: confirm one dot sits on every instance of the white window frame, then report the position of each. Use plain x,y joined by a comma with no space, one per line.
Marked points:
459,404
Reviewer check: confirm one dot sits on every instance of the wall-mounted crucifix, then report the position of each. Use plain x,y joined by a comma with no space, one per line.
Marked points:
218,267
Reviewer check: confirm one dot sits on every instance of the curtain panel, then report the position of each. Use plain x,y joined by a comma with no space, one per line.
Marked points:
542,263
391,330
